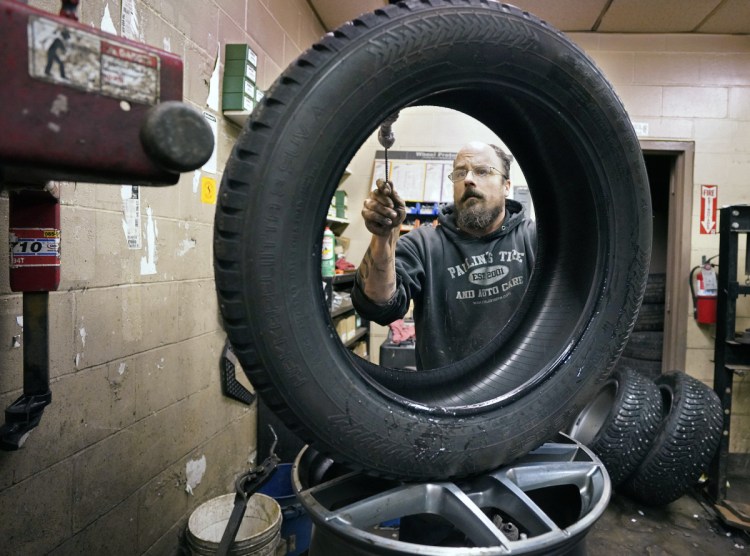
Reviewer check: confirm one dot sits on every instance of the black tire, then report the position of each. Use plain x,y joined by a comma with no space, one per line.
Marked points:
650,318
649,369
656,287
645,345
536,89
685,444
620,423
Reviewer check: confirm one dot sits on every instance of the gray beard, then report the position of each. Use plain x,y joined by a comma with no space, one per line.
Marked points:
476,218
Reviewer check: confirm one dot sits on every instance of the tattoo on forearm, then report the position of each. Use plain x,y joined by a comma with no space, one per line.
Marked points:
364,267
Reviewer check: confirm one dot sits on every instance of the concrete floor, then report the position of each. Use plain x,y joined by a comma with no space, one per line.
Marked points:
683,528
686,527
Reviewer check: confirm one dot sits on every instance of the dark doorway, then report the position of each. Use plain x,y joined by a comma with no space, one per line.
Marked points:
659,168
669,165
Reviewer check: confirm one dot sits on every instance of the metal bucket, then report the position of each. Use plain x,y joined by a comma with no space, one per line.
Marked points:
543,504
259,532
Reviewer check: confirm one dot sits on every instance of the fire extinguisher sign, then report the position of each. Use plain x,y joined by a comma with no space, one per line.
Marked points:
34,247
709,198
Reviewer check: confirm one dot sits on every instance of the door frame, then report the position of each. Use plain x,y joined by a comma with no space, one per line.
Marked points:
679,239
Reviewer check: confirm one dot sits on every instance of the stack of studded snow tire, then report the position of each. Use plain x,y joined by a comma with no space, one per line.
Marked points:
655,437
643,352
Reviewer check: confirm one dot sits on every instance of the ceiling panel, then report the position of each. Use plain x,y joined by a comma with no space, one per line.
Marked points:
665,16
733,16
608,16
568,15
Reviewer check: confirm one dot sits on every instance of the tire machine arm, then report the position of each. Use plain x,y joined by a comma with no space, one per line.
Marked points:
79,104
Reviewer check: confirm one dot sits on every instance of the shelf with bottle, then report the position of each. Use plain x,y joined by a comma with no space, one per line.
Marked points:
352,329
328,256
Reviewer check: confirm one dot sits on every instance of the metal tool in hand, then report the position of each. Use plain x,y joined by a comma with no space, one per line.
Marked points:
387,138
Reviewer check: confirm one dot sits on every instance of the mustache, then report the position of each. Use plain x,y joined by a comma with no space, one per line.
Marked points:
468,194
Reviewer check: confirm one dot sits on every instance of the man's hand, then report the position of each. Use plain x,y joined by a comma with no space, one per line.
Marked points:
383,211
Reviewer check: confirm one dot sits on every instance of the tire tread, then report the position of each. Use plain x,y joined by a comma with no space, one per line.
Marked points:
687,439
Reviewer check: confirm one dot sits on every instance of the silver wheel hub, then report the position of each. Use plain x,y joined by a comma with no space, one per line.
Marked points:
543,503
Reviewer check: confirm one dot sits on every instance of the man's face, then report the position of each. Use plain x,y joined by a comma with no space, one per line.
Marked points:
479,199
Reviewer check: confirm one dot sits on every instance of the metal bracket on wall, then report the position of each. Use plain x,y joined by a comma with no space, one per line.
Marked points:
230,387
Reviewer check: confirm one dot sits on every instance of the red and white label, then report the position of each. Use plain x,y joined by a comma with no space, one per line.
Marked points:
34,247
709,200
70,57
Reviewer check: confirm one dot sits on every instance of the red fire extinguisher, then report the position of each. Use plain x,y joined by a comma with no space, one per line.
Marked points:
705,293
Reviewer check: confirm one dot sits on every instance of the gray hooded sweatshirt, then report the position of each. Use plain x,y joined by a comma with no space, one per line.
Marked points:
464,288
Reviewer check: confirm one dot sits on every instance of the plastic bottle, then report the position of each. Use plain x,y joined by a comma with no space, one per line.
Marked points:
328,265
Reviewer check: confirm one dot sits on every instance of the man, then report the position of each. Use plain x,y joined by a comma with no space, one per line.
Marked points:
466,276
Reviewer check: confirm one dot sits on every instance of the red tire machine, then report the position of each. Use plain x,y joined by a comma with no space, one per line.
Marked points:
78,104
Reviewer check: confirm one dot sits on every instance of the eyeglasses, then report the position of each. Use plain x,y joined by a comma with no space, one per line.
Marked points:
480,172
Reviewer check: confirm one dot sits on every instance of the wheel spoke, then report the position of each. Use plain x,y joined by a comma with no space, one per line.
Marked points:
443,499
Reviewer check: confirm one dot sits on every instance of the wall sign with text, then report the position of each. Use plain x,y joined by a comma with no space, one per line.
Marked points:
709,200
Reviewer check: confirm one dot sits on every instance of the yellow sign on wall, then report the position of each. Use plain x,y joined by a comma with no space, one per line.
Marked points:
208,190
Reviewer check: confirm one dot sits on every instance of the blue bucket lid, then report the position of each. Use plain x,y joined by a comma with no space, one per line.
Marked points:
279,486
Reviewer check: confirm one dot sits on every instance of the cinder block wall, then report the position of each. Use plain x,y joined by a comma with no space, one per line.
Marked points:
137,418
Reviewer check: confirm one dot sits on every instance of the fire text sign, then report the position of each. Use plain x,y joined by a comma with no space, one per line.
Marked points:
709,200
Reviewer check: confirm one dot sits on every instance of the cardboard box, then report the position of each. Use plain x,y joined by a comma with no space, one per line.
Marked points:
341,329
236,101
360,348
351,327
342,242
241,52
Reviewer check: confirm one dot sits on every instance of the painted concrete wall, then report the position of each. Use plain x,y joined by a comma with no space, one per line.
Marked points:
138,433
